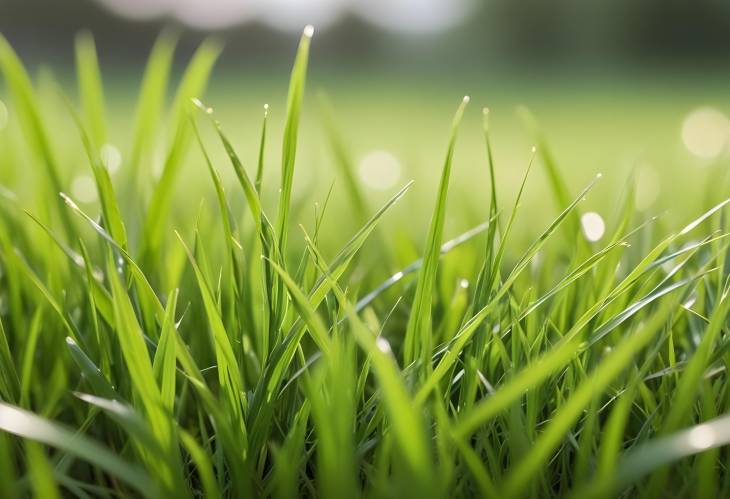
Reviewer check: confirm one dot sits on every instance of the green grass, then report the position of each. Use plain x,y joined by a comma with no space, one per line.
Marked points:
160,343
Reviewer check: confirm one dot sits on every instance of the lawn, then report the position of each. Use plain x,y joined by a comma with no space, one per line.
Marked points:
203,296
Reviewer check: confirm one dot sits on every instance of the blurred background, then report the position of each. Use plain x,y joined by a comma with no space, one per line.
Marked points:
634,89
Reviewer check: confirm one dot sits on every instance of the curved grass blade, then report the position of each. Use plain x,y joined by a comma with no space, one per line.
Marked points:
22,90
91,90
291,130
418,331
28,425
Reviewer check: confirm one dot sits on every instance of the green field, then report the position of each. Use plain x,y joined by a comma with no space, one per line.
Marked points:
192,307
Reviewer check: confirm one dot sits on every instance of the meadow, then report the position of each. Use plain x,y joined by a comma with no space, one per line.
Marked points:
203,296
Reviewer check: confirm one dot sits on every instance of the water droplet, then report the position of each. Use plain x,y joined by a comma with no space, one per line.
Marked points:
83,188
383,345
705,132
111,158
379,170
593,226
463,283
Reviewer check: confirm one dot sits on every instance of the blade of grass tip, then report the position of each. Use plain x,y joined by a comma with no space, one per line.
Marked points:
21,88
342,157
596,383
405,418
91,91
291,130
28,425
492,232
418,335
262,149
99,384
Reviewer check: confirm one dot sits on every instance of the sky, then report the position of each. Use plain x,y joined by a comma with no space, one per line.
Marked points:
414,16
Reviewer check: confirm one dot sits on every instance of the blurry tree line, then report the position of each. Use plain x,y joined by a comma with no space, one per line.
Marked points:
511,31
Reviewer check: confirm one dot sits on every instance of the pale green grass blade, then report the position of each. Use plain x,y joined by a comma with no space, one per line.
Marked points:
262,150
163,363
229,375
596,383
110,207
418,332
203,463
90,85
42,480
9,381
404,417
28,425
21,88
306,311
26,369
193,84
642,460
291,131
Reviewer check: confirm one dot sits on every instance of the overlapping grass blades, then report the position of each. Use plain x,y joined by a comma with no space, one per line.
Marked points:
243,359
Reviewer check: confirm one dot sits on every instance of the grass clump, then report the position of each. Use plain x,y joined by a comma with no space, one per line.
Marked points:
146,353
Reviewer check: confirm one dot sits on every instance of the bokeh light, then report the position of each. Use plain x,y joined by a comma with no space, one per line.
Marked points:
379,170
705,132
593,226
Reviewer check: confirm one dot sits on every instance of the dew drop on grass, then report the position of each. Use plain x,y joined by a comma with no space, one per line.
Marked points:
593,226
111,158
3,115
705,132
379,170
383,344
83,188
702,437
